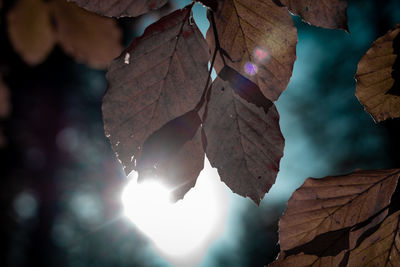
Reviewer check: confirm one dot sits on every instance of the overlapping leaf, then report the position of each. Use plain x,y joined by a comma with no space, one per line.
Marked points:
160,77
259,39
321,206
174,155
34,26
378,77
382,248
244,141
118,8
327,14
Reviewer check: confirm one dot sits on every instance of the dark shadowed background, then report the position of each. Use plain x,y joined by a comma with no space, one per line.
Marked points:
60,181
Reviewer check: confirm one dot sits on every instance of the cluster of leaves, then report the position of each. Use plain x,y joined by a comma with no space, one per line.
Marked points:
351,220
162,113
160,119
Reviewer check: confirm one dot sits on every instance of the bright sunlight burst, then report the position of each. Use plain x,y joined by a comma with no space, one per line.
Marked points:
183,229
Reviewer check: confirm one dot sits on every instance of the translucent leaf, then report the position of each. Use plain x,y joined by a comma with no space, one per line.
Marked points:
244,141
160,77
259,40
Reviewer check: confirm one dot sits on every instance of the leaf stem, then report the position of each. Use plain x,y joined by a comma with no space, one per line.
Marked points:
217,43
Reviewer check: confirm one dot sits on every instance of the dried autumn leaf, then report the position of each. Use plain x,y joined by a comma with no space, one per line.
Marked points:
260,39
378,77
321,206
244,142
34,26
381,248
159,77
118,8
327,14
174,155
30,30
85,36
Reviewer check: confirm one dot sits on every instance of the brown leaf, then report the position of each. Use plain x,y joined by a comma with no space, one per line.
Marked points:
85,36
245,143
378,77
120,8
381,248
174,154
34,26
327,14
159,77
260,38
30,30
323,205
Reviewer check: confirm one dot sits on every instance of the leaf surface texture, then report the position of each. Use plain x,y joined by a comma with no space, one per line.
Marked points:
160,77
244,141
260,39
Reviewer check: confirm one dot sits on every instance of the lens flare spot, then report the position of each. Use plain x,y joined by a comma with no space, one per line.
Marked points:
261,55
250,68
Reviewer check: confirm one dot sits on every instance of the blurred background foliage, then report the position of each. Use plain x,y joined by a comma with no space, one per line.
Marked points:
60,181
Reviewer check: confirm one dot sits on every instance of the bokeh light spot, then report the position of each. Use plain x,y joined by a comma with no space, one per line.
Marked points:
261,55
87,207
250,68
25,205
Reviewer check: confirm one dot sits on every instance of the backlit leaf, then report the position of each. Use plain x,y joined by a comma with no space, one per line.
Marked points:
30,30
382,247
378,77
34,26
327,14
87,37
244,141
260,38
321,206
120,8
160,77
174,154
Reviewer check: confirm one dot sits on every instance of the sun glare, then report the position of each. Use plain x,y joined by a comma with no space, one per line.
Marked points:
182,229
